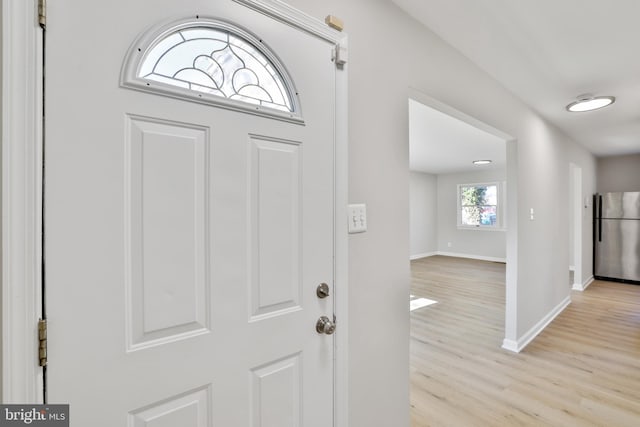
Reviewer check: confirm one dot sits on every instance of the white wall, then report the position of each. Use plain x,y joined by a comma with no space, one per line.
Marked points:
619,173
389,53
423,214
473,243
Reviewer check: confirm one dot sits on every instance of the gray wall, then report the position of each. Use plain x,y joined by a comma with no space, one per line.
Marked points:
474,243
619,173
423,214
389,53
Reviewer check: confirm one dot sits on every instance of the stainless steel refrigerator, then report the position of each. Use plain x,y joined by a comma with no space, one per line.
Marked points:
616,248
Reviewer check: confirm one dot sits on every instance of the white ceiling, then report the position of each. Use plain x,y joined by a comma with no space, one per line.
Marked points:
439,143
547,52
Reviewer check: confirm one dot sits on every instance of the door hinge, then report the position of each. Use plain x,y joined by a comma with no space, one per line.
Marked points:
42,339
42,13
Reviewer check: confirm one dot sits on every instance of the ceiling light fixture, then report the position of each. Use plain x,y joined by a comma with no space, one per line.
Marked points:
588,102
481,162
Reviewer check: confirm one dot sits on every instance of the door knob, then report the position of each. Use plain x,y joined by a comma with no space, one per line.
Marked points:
325,326
322,291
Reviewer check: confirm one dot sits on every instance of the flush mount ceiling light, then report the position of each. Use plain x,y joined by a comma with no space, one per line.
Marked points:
481,162
588,102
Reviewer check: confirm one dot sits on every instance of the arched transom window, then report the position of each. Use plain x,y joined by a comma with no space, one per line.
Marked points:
215,60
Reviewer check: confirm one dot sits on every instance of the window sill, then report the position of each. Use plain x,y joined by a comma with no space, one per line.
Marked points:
481,228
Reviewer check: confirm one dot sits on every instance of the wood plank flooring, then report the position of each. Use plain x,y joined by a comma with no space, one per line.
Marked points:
583,370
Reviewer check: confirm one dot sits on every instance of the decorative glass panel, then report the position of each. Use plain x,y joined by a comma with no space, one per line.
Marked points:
217,62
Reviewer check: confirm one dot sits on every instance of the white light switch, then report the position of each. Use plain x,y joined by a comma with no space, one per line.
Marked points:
357,218
531,215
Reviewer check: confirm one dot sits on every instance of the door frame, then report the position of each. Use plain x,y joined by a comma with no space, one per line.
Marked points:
22,164
575,209
510,209
22,379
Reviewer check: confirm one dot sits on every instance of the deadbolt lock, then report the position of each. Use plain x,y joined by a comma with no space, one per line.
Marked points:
325,326
323,290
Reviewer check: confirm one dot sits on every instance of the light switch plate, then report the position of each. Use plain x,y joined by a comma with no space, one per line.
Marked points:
357,218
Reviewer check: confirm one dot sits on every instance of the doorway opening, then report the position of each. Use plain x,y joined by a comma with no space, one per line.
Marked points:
463,238
575,227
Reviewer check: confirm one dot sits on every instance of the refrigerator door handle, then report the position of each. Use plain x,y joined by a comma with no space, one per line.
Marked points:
599,218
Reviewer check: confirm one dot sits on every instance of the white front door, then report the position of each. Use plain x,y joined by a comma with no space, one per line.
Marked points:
185,241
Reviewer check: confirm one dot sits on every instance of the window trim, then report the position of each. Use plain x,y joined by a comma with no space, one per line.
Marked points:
500,224
148,39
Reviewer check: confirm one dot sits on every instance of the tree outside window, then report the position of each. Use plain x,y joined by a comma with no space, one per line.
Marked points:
478,205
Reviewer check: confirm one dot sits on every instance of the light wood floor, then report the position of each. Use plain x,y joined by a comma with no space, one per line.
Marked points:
583,370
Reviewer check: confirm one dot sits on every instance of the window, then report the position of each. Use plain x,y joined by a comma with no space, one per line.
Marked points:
211,61
478,205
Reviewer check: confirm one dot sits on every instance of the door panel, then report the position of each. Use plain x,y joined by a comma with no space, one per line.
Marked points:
275,181
166,194
184,242
190,409
276,393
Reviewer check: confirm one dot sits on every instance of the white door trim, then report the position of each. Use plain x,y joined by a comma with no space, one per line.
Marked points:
282,12
21,201
575,176
21,198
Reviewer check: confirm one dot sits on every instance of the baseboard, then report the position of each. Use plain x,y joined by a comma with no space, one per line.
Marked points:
587,282
518,346
422,255
478,257
582,286
510,345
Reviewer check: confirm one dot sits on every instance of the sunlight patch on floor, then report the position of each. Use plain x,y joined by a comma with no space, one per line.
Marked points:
417,303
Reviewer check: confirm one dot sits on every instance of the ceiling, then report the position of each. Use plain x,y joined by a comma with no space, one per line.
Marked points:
547,52
439,143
